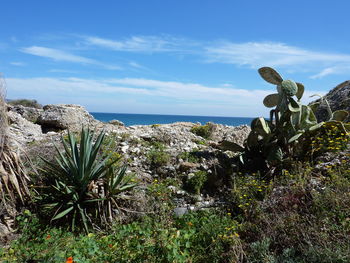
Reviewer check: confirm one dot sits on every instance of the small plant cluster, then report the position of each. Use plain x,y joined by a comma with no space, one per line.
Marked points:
204,131
329,138
189,156
26,103
157,156
194,182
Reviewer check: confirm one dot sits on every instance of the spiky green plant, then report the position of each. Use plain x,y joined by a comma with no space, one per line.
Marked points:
73,191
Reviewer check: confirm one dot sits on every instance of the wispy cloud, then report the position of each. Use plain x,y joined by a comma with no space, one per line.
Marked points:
257,54
163,96
17,63
60,55
147,44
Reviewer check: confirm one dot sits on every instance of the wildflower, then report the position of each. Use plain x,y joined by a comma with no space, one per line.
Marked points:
228,214
110,245
48,236
69,260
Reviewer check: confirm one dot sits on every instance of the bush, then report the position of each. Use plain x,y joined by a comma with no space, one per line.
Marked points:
26,103
194,183
157,156
204,131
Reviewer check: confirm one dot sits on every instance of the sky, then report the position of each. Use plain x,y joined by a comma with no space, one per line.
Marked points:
186,57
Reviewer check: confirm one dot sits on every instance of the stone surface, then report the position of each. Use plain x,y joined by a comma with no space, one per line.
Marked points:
338,99
22,130
30,114
64,116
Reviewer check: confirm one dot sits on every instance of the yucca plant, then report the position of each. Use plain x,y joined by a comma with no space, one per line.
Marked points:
73,191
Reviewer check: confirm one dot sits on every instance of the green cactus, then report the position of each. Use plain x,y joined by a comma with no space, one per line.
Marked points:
273,141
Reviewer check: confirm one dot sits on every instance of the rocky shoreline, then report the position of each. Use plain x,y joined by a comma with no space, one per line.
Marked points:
150,151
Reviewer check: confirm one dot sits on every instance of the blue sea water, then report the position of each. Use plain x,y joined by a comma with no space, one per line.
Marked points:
149,119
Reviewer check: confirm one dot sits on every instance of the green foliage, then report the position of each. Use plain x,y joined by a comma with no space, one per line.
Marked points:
72,193
26,103
204,131
199,237
299,223
279,140
157,156
195,182
189,156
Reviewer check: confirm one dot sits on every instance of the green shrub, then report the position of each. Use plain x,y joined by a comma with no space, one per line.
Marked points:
194,183
26,103
204,131
189,156
71,193
157,156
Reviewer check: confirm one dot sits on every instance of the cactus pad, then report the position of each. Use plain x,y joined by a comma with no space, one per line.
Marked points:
270,75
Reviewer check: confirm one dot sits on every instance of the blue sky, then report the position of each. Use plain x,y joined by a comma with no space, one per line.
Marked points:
192,57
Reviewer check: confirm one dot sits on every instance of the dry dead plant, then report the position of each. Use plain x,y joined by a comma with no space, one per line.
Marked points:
13,179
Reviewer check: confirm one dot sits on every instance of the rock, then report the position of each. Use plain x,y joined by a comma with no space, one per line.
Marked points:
180,211
64,116
22,130
186,166
116,123
30,114
338,99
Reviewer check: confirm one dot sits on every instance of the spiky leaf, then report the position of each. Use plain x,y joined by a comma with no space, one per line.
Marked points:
295,137
270,75
271,100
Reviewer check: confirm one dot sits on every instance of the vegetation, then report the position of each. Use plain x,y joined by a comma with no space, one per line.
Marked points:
282,205
157,156
72,193
13,180
204,131
26,103
195,182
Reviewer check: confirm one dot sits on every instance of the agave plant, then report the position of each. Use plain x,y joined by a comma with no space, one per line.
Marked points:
74,178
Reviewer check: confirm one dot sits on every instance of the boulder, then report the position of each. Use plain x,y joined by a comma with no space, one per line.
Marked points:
22,130
338,99
64,116
30,114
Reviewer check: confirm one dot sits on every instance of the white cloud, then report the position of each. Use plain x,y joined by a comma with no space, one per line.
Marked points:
17,63
59,55
142,95
257,54
142,43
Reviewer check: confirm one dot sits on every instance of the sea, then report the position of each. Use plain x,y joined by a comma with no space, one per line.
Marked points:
149,119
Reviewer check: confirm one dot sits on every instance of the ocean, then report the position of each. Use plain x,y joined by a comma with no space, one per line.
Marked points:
149,119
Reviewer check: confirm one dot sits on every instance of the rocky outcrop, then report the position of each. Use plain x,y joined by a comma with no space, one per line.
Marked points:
64,116
22,130
28,113
338,99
